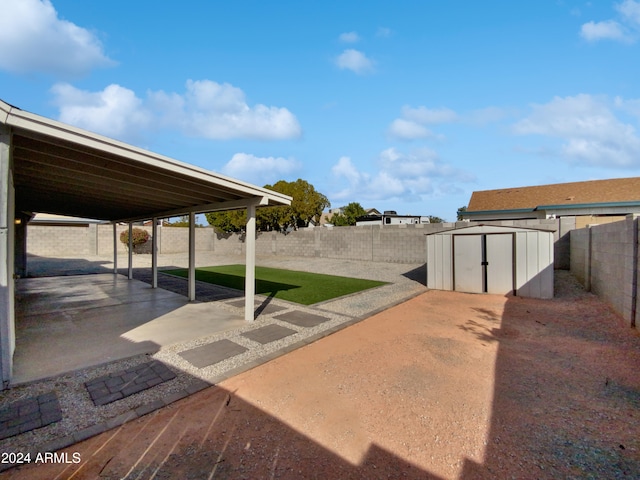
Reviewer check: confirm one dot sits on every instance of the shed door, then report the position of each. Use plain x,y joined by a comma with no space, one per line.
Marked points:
468,272
499,258
483,263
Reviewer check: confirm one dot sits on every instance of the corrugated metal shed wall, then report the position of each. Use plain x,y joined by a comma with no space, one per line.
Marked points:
531,260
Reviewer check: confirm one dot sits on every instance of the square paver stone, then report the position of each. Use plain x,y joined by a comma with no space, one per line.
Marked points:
268,333
121,384
30,413
268,309
212,353
302,319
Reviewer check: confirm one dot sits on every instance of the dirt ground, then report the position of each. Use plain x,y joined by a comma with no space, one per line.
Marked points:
447,385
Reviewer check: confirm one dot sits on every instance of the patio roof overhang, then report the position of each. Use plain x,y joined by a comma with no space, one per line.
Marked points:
50,167
64,170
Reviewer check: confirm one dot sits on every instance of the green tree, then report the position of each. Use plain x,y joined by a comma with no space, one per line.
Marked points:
307,204
434,219
460,210
231,221
350,213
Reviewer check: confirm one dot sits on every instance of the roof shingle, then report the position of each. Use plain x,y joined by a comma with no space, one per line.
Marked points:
594,191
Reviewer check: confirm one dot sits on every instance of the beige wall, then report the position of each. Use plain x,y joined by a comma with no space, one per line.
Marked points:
605,259
395,244
584,220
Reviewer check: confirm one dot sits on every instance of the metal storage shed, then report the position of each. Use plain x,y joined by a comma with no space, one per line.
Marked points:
491,259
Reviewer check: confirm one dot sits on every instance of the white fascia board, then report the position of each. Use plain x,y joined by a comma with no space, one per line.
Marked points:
210,207
35,123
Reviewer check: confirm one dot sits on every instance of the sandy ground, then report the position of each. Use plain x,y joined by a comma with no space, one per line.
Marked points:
446,385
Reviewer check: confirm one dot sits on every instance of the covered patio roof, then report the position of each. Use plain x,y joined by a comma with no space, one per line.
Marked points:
64,170
50,167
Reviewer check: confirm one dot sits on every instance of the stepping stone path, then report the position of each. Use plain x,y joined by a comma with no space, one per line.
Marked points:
211,353
28,414
302,319
269,333
268,309
118,385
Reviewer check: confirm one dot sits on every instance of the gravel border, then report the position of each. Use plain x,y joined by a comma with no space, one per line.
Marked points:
82,419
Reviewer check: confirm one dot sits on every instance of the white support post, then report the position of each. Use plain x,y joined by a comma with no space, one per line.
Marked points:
7,246
250,272
130,276
154,253
192,257
115,249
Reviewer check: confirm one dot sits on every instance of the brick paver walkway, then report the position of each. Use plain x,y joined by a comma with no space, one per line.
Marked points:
117,385
29,414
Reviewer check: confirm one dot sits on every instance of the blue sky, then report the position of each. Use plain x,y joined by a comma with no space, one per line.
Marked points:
405,105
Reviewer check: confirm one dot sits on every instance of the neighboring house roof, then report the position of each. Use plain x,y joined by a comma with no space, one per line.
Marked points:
617,190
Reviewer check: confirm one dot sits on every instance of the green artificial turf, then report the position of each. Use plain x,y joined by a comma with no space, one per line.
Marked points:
299,287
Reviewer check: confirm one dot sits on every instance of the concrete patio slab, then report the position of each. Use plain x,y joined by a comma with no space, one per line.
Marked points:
110,316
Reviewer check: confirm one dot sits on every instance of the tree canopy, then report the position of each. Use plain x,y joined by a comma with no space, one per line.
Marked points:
307,205
348,215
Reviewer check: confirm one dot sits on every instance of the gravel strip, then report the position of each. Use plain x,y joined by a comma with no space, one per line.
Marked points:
81,418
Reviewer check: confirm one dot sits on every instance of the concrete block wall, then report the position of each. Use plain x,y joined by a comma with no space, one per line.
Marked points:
396,244
579,263
605,260
55,240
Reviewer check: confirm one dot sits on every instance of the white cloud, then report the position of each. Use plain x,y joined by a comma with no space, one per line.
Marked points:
34,39
630,106
260,170
629,11
355,61
429,116
114,111
219,111
406,176
349,37
207,109
588,128
412,124
484,116
383,32
402,129
608,29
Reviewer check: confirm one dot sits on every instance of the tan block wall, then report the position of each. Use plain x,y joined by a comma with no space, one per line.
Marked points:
605,259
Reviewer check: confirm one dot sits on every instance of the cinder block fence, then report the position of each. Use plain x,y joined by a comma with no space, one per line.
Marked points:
393,244
604,258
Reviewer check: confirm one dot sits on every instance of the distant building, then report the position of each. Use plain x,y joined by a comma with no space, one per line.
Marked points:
595,201
390,217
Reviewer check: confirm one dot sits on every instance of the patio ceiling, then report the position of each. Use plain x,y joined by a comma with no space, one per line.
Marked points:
68,171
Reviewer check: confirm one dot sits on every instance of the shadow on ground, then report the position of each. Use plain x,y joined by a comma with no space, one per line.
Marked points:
39,266
417,274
